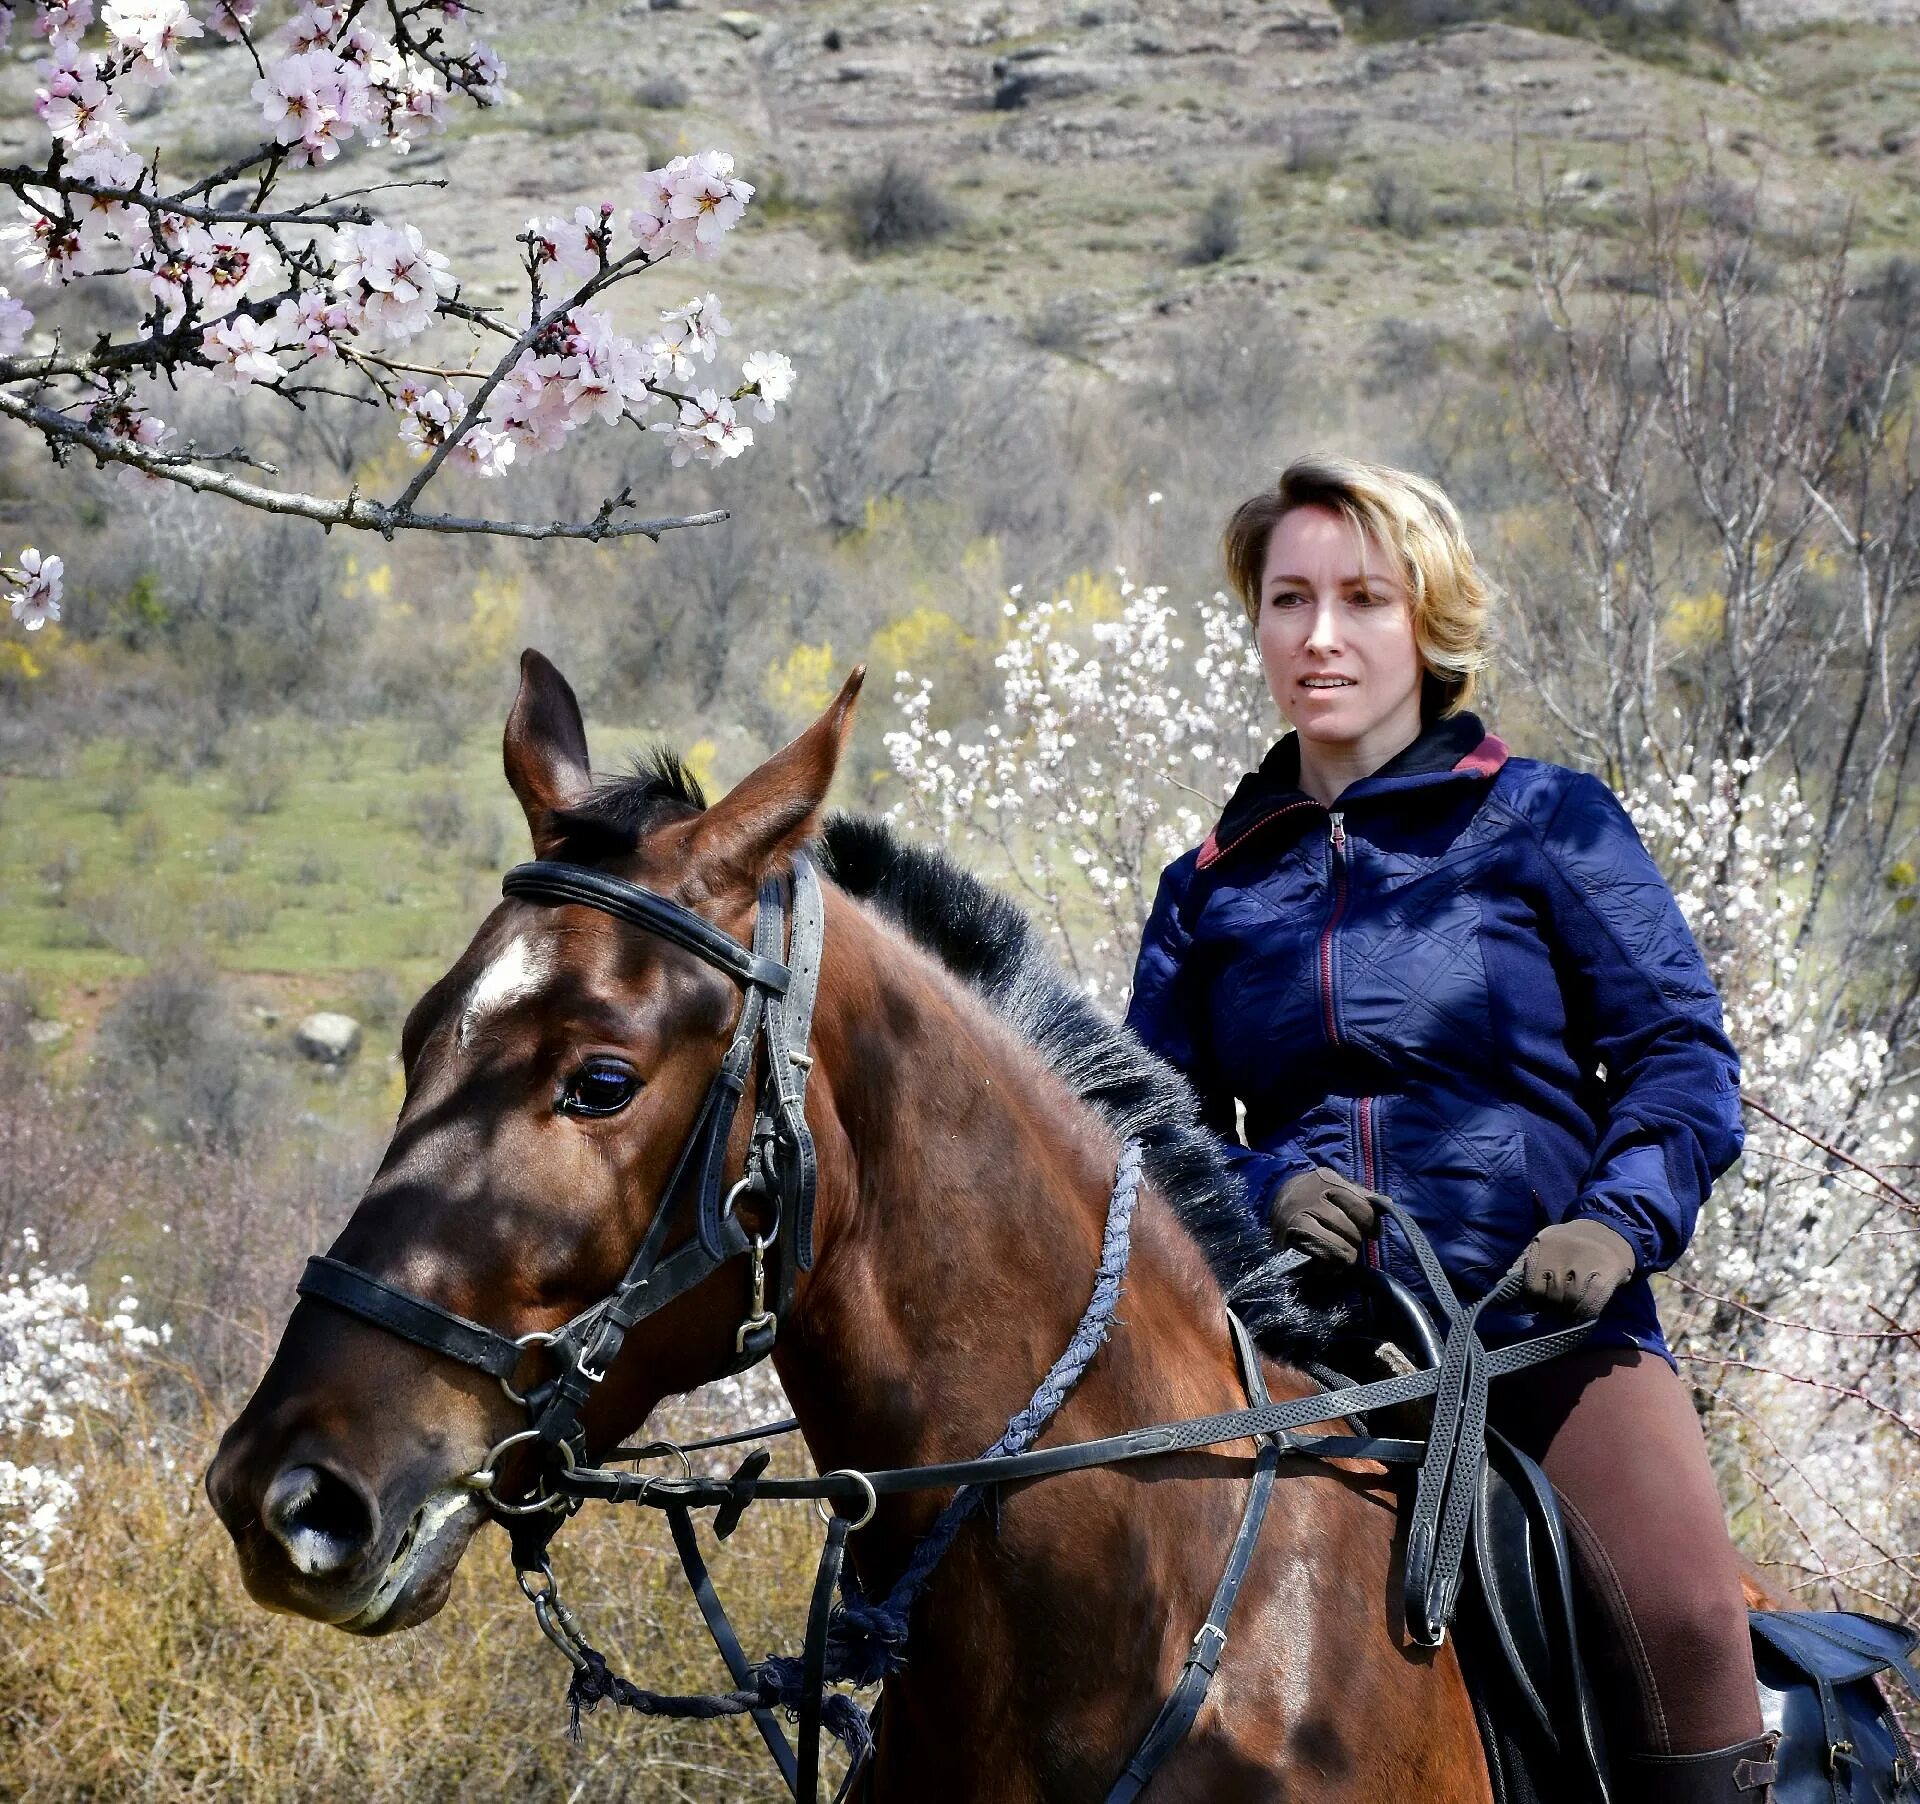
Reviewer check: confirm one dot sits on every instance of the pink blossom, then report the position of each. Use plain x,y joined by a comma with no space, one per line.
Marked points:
573,244
391,280
707,194
603,372
78,107
313,100
211,267
651,221
37,599
529,406
484,76
406,96
151,30
312,323
482,453
429,416
313,25
63,22
53,247
691,204
241,351
15,323
694,330
231,19
99,218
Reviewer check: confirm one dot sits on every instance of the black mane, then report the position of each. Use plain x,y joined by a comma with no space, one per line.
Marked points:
991,945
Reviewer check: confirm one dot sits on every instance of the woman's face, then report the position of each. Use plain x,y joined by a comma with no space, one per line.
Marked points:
1335,632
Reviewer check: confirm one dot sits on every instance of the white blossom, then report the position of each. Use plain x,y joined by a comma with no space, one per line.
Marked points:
36,600
151,30
770,375
15,323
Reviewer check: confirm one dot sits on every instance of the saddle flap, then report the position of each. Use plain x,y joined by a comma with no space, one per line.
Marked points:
1837,1646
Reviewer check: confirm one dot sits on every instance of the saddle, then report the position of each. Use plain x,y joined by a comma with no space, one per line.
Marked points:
1519,1638
1517,1632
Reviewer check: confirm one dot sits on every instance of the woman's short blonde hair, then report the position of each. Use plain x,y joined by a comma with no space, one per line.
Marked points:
1417,524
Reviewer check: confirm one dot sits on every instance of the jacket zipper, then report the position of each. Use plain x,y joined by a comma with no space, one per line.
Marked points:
1339,831
1369,1170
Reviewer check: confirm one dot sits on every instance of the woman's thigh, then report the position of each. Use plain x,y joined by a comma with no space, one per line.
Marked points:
1617,1434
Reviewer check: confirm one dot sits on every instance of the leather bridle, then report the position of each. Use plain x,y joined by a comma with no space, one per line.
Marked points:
776,1015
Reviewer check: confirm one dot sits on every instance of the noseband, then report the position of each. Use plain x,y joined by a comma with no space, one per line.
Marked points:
777,1012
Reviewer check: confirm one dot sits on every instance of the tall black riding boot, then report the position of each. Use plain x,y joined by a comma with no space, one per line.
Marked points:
1742,1774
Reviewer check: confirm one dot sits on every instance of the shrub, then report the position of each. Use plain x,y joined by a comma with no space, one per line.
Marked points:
662,94
1316,146
893,210
1217,232
1398,203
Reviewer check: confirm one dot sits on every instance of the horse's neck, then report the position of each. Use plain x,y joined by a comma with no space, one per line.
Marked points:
963,1198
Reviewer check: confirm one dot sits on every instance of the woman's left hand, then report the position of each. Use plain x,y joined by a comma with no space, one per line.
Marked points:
1577,1265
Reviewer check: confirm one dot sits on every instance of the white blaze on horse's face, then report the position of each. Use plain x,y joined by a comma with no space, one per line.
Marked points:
518,971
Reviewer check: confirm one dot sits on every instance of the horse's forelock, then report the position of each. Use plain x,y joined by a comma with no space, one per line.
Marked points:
622,811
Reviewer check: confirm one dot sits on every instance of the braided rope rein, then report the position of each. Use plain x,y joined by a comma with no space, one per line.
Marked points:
866,1640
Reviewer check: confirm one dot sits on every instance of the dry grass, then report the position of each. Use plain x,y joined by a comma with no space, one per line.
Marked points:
149,1674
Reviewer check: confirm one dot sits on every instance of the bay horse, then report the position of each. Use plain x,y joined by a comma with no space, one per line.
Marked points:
968,1109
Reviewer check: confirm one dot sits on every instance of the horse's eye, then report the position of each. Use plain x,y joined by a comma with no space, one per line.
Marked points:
599,1087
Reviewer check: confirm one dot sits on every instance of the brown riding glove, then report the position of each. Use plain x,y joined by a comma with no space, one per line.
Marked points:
1577,1265
1325,1215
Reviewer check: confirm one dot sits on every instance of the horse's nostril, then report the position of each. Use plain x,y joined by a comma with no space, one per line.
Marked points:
321,1519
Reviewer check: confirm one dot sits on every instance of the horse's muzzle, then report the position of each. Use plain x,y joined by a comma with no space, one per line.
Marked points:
317,1540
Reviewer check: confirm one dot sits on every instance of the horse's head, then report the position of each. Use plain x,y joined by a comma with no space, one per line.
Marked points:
553,1076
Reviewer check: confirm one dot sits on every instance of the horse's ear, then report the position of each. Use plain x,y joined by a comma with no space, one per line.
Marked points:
546,749
772,812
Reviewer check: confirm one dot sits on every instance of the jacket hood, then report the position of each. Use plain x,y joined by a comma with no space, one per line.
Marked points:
1456,749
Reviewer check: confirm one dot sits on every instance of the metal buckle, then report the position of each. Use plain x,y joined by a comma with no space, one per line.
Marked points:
760,1319
1214,1629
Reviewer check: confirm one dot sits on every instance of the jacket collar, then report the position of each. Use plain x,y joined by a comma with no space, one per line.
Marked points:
1455,749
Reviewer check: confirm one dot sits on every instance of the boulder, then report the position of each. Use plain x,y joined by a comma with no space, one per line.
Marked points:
328,1039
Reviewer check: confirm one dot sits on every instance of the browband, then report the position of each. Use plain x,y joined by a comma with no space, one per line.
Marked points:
545,880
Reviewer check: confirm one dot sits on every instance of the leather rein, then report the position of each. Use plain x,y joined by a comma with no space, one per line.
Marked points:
776,1012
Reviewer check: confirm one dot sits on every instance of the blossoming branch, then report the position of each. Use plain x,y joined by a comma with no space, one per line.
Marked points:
323,300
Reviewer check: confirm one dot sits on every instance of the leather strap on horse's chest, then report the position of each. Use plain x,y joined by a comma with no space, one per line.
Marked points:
1175,1718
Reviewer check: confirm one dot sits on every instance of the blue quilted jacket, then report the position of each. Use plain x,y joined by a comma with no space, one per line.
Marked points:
1466,985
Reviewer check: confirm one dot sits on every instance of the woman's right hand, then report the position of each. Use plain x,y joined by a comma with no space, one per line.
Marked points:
1325,1215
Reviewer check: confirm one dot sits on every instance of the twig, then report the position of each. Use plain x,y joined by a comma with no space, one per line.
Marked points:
1826,1146
349,510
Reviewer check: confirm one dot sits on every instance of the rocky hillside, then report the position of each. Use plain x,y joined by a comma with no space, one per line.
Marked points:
1089,152
1084,145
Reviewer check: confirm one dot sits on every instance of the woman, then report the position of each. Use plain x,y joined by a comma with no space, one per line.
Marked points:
1431,970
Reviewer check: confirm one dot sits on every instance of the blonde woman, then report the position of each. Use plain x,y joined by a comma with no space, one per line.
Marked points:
1434,971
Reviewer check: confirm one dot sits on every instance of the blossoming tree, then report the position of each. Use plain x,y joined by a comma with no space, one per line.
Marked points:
1108,751
322,301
